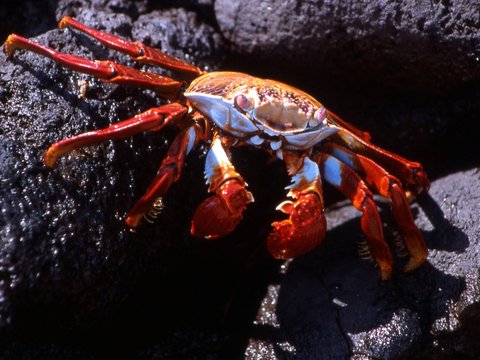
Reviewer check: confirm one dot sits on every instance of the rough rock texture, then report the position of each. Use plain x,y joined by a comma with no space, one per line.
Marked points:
76,284
65,252
330,305
434,44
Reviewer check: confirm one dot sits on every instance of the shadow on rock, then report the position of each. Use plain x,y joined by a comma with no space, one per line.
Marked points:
440,224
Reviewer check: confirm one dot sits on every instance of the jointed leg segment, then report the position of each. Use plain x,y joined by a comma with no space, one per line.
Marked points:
411,173
344,169
137,50
168,173
152,119
105,70
349,183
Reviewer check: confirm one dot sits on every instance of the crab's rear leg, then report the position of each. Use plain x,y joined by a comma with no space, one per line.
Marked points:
152,119
349,183
410,173
169,171
219,214
390,187
305,228
107,70
137,50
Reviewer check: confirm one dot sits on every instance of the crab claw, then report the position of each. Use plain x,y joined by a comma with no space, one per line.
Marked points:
219,214
302,231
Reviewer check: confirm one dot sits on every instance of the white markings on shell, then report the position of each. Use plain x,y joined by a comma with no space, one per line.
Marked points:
243,106
308,139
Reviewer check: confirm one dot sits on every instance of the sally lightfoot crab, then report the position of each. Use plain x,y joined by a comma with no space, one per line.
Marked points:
230,109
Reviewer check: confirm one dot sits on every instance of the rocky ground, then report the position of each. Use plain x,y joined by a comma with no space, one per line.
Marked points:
75,283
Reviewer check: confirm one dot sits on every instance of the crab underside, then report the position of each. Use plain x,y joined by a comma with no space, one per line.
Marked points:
230,109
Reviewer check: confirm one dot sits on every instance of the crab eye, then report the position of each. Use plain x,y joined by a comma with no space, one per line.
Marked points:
320,115
243,103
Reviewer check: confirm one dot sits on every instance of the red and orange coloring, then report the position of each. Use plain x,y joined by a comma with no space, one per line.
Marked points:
229,109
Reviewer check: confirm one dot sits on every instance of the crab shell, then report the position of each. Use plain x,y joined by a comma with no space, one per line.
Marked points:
261,112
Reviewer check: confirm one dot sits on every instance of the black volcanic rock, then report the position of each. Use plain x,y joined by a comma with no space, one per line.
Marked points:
63,240
407,44
76,284
330,304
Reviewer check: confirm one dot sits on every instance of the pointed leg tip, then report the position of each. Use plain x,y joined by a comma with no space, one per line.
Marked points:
413,263
9,46
133,221
385,273
51,157
65,22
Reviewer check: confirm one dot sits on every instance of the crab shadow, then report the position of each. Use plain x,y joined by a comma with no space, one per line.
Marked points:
330,297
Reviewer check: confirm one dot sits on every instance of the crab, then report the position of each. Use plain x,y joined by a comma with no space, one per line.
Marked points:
229,109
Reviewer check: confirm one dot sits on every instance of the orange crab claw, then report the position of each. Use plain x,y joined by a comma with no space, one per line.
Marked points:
219,214
302,231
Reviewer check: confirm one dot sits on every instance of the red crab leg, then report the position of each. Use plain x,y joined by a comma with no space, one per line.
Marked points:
219,214
305,228
169,171
107,71
410,173
390,187
152,119
348,182
137,50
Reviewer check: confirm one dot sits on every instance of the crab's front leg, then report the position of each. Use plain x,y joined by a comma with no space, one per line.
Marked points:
306,225
169,171
219,214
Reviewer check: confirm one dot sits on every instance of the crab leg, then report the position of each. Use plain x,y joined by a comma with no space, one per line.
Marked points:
152,119
169,171
305,228
390,187
410,173
137,50
219,214
107,71
349,183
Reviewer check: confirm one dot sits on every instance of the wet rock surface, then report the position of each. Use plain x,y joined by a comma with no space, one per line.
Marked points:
76,284
67,259
330,304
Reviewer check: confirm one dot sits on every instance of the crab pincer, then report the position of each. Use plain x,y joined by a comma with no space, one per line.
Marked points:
302,231
219,214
